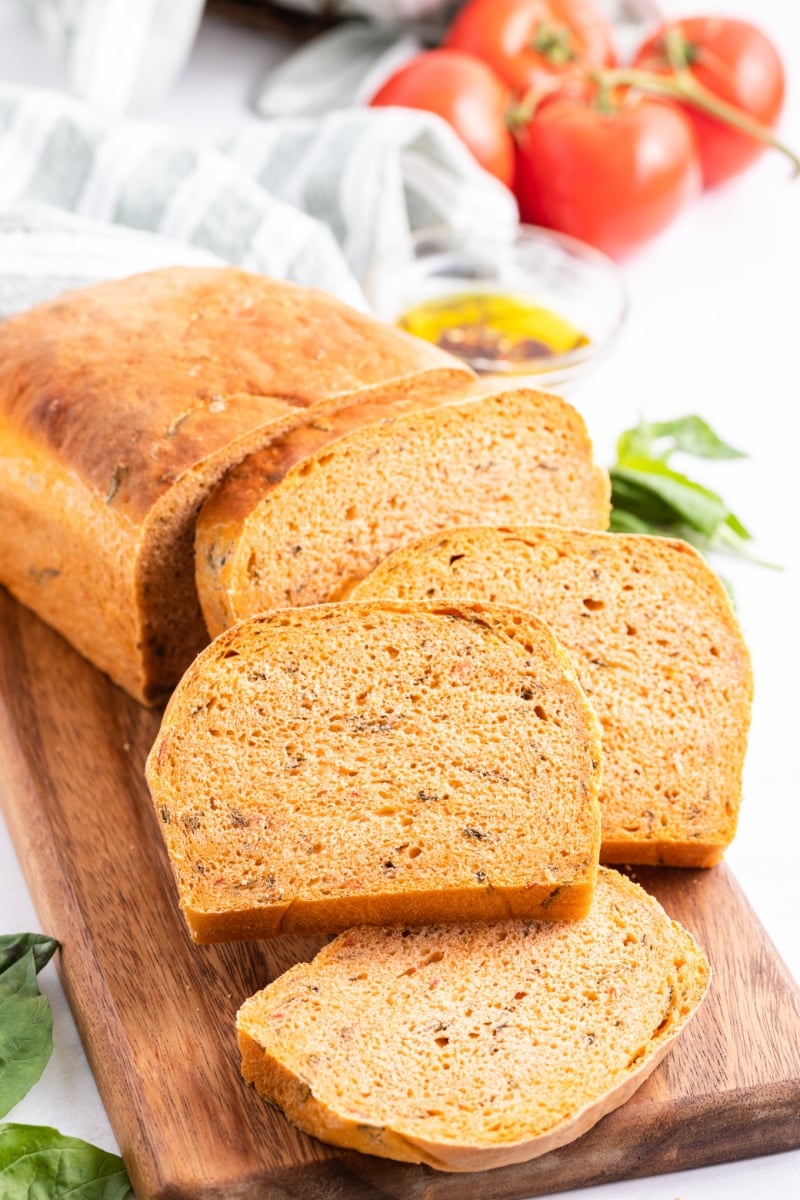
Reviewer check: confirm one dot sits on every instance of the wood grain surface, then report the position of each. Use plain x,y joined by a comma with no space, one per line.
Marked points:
156,1013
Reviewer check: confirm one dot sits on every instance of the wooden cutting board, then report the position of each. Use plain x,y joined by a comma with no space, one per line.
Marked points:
156,1013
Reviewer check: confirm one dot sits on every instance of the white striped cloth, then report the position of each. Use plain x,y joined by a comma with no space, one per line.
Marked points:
318,201
343,67
123,55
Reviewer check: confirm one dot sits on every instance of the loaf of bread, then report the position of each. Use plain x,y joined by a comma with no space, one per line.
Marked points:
303,520
658,652
338,764
120,408
475,1046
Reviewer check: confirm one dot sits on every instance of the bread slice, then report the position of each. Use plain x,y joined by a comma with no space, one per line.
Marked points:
467,1047
120,408
658,651
379,762
303,521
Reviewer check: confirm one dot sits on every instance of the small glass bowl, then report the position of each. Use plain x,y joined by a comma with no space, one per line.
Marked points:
556,272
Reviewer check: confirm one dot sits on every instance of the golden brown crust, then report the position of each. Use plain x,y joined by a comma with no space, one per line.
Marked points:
420,832
122,405
293,1096
563,902
312,1042
77,571
131,383
452,459
658,652
674,852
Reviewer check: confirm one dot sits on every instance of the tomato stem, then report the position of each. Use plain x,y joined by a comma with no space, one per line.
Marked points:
524,110
553,43
603,99
683,87
679,53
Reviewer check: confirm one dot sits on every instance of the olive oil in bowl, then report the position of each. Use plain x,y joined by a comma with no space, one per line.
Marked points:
494,331
515,302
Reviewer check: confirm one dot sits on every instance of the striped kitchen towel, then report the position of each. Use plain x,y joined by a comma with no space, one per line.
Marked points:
342,67
318,201
123,55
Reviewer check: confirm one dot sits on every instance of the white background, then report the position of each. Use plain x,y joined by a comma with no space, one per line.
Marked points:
714,329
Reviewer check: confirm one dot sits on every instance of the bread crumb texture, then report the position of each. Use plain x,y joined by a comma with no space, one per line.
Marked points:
304,520
474,1046
378,762
658,652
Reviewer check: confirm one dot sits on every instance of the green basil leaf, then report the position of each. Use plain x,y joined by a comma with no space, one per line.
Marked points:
738,528
687,435
26,1031
39,1163
690,502
648,496
634,443
14,945
623,521
637,498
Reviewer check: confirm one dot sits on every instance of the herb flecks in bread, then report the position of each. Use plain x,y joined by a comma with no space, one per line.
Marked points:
304,520
658,652
467,1047
378,762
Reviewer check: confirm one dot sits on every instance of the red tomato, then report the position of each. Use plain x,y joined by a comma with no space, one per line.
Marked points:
737,62
528,41
612,178
467,94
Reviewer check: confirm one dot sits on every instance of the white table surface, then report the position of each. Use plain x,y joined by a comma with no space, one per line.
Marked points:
714,329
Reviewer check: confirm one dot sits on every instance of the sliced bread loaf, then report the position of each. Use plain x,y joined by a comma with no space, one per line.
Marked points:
467,1047
120,408
378,762
658,652
302,521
